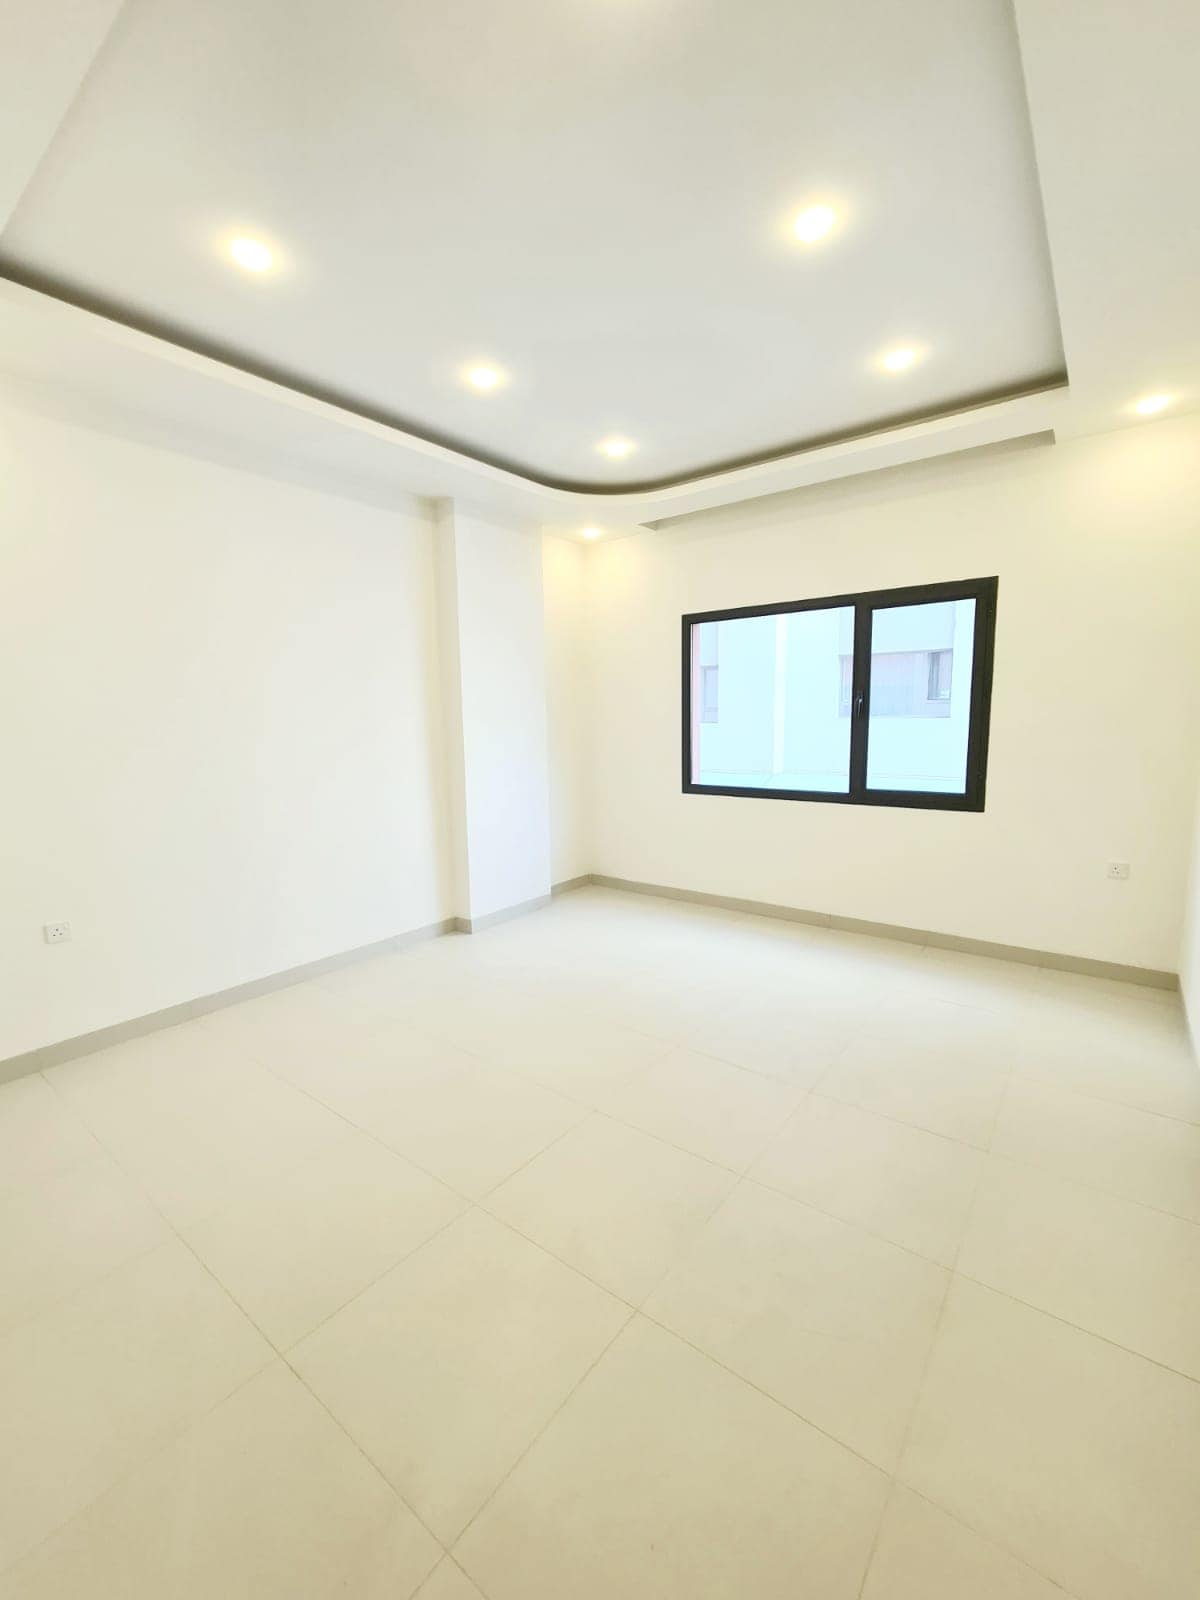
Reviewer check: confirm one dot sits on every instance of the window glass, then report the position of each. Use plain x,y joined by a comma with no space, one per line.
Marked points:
920,709
778,720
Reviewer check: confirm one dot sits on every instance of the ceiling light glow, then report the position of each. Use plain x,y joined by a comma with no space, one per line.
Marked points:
1152,404
898,360
813,223
251,254
589,533
484,378
616,449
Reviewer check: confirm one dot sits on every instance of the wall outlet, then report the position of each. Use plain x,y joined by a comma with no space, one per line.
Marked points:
1118,869
56,932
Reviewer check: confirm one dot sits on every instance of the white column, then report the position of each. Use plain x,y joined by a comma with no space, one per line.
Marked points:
494,692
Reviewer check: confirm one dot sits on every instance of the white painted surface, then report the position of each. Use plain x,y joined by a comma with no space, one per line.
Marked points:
614,233
1113,127
1111,89
492,651
1097,547
568,707
48,47
1189,959
220,735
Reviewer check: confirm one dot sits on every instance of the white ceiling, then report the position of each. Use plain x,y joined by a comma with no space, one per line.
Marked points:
594,195
150,169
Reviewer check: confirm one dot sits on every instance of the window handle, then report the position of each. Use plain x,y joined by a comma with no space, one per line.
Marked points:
858,705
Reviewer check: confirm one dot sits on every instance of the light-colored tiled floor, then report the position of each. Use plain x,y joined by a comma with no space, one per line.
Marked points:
628,1249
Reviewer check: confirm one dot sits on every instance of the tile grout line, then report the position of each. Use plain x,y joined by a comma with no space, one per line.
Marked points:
902,1449
1025,1165
1103,1099
283,1357
583,1377
987,1538
919,1394
1077,1327
740,1176
276,1355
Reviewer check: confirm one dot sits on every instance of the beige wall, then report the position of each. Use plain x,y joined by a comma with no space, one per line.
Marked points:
1094,721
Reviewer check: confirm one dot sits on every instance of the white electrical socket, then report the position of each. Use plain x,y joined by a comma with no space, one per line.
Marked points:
56,932
1118,869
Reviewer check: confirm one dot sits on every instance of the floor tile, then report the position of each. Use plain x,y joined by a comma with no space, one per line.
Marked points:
794,1041
708,1107
832,1322
389,987
93,1385
473,1125
923,1553
664,1476
582,1058
1136,1056
294,1249
619,1205
39,1132
448,1582
354,1069
911,1018
940,1091
67,1230
983,981
1115,1268
264,1499
184,1058
911,1187
195,1128
447,1368
1135,1154
596,1076
1080,1458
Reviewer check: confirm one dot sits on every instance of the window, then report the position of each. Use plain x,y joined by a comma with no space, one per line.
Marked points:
867,699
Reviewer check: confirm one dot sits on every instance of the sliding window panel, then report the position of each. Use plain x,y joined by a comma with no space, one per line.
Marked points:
921,701
769,702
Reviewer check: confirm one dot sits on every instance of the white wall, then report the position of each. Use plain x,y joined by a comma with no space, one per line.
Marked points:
491,613
568,701
220,728
1097,547
1189,960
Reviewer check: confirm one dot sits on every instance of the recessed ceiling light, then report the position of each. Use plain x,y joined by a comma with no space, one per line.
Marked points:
617,449
898,360
484,378
589,533
1152,404
251,254
813,223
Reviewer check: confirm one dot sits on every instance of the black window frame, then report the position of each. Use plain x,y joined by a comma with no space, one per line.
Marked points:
982,590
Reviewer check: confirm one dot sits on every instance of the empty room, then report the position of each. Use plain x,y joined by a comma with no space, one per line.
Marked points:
600,813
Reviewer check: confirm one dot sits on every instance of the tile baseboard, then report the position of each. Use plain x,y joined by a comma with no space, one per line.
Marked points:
116,1033
1087,966
86,1044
